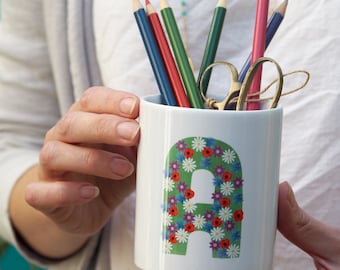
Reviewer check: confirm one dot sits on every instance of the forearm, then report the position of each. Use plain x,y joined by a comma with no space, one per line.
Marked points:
37,230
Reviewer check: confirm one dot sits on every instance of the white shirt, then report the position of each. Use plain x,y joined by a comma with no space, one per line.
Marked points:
307,39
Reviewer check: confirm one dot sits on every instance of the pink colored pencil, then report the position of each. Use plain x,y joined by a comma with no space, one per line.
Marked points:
170,65
259,42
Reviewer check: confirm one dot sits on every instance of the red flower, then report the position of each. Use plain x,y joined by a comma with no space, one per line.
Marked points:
173,211
189,227
225,202
189,194
188,153
238,215
207,152
175,176
173,238
226,176
225,243
216,222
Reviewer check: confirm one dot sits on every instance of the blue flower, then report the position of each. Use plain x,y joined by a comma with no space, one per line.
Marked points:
205,163
165,235
236,166
167,172
180,157
217,181
221,253
180,224
210,142
235,236
238,198
165,207
180,197
207,227
216,206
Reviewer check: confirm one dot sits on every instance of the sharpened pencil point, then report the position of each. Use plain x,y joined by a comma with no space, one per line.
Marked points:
149,8
282,8
163,4
222,3
136,5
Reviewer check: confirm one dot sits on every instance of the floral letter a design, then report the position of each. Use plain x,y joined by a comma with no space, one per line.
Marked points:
222,219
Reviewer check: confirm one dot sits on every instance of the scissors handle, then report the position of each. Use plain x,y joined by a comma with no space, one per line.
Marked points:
233,90
249,79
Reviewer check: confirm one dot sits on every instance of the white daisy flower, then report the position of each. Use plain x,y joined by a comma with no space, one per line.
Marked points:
225,213
233,251
167,219
198,144
169,184
189,206
227,188
189,165
182,236
217,234
199,221
228,156
167,247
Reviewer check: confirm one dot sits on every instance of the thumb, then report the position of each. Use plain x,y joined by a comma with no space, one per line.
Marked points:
319,240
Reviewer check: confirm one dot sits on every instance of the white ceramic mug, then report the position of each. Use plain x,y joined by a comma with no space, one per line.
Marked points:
207,188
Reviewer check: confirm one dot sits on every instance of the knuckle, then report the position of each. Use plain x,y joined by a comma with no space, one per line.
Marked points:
64,126
102,127
86,98
60,197
47,153
49,134
303,222
90,158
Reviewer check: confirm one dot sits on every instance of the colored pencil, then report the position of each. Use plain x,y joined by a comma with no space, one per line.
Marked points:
212,43
272,26
154,54
167,56
180,55
259,41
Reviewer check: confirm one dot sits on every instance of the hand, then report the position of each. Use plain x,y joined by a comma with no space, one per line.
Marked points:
87,163
320,241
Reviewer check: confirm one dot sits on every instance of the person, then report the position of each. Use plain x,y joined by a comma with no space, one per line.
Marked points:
68,155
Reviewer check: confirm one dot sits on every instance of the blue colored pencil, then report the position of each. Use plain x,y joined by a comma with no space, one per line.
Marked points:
154,54
272,27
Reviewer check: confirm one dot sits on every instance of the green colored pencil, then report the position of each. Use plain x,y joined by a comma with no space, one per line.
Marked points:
212,43
180,55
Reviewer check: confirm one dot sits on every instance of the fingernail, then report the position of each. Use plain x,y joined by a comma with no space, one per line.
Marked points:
127,105
89,192
128,130
122,167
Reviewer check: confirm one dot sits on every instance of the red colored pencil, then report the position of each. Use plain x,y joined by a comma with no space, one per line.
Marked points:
170,65
259,42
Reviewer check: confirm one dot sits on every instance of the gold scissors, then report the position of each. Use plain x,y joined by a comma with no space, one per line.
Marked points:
238,92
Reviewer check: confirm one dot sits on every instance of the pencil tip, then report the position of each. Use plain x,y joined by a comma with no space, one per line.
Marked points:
282,8
136,5
221,3
147,2
163,4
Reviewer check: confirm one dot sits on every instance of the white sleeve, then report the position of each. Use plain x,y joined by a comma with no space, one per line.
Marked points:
28,106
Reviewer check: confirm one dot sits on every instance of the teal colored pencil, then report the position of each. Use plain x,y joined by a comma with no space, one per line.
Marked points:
180,55
212,43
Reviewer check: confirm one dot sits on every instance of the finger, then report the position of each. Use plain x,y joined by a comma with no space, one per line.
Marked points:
108,101
47,196
84,127
317,239
60,157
